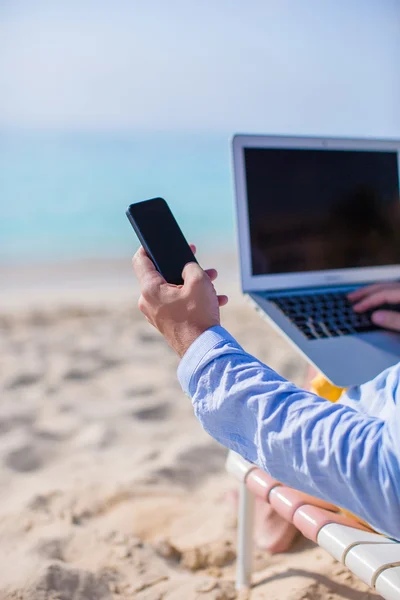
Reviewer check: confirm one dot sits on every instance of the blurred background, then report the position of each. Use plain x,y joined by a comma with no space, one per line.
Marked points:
106,103
103,104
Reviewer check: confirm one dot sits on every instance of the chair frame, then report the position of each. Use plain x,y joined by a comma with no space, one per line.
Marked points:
374,558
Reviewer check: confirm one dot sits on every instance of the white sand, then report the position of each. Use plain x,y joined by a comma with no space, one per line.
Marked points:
109,487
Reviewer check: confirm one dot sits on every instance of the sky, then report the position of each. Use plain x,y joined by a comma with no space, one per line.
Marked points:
271,66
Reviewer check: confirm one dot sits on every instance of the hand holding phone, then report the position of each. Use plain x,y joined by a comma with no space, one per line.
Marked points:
161,237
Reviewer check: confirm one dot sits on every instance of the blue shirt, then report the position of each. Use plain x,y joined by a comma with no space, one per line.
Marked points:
347,453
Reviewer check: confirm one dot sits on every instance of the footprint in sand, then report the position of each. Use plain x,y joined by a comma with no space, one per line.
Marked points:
139,391
42,502
109,362
24,380
194,464
24,459
48,435
149,338
61,581
39,449
77,374
153,413
51,548
95,365
11,423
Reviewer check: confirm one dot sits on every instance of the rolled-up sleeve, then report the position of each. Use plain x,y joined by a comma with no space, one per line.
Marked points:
337,452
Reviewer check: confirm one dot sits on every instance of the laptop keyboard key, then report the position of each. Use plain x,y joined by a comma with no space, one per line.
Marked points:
324,315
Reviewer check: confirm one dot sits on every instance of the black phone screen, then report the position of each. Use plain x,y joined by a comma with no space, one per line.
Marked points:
161,237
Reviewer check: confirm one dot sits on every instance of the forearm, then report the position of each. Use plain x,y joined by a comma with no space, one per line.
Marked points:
328,450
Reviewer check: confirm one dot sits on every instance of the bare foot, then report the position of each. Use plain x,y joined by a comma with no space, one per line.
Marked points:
271,531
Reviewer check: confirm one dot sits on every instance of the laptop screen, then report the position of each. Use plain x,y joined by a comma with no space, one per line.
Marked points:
312,210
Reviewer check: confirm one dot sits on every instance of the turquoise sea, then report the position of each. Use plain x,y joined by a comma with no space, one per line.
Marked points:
63,195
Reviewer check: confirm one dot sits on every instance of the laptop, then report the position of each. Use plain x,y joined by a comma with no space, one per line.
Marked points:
316,219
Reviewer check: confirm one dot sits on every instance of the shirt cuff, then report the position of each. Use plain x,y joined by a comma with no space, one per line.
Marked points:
198,350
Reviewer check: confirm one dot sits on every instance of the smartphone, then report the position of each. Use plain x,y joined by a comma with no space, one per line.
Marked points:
161,237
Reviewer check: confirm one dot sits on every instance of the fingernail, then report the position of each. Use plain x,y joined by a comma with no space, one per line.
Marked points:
378,318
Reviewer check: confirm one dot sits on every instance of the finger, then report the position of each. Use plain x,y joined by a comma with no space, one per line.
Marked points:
212,273
144,268
193,248
370,289
223,300
192,274
385,296
389,319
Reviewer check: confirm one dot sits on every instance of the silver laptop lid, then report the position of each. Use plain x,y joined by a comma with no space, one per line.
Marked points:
316,211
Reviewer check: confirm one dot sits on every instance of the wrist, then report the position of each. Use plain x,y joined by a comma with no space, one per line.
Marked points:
184,336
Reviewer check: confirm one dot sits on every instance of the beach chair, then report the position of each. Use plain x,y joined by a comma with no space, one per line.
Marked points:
373,558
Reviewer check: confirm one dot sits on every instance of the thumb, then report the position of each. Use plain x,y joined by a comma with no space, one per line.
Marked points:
192,274
388,319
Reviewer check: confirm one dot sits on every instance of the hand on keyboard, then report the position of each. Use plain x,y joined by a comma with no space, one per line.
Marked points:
382,296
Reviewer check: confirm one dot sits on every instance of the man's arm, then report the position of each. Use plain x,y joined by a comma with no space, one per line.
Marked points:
328,450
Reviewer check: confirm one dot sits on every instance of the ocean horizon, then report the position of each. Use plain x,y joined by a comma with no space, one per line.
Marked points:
64,194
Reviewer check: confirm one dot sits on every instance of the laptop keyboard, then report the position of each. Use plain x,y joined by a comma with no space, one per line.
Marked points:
324,315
